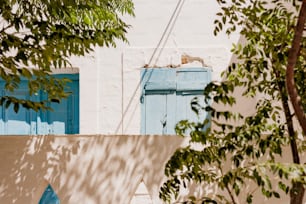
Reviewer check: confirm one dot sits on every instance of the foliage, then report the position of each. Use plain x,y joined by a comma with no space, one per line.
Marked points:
37,36
251,145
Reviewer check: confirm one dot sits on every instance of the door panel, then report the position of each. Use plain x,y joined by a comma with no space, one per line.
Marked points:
155,114
185,111
22,122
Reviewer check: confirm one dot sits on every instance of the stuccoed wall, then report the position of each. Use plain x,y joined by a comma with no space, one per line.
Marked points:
109,77
93,169
87,169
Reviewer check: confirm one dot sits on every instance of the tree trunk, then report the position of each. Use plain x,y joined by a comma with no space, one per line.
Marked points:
297,191
292,58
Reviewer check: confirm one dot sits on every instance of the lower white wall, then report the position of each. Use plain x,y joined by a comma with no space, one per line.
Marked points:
94,169
83,169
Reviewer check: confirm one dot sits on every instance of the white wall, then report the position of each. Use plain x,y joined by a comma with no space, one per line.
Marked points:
94,169
90,169
109,77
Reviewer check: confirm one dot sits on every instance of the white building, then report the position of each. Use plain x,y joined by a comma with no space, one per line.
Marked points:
111,160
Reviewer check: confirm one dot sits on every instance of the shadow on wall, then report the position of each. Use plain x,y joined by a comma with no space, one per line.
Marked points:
28,164
83,169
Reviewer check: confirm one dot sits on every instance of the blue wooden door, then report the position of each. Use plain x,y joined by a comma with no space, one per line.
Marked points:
166,97
60,120
158,110
23,122
64,119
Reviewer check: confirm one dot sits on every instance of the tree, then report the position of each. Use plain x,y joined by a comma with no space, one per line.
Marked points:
37,36
293,55
269,29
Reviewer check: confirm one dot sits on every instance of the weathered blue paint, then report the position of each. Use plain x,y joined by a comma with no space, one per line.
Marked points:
65,115
49,196
64,119
22,123
166,97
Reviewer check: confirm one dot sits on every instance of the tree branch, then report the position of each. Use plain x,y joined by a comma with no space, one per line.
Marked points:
231,194
292,58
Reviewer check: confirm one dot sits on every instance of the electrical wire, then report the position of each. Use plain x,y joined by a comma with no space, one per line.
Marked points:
169,27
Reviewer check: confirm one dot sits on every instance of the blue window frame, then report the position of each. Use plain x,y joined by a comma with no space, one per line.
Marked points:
166,97
49,196
64,119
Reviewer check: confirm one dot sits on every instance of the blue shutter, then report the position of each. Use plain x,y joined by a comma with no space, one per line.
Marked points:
166,97
192,79
63,120
158,97
190,85
155,114
49,197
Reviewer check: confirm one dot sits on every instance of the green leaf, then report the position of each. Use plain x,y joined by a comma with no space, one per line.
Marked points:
16,107
26,73
276,195
250,198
